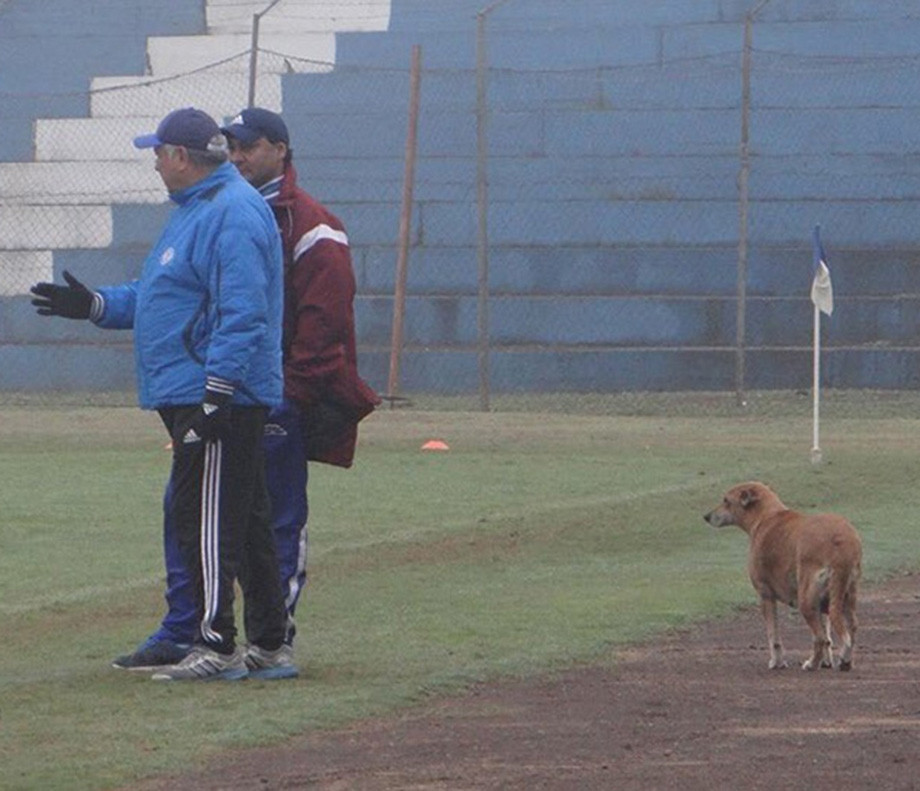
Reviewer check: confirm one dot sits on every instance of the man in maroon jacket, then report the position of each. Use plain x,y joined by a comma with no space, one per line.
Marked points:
324,398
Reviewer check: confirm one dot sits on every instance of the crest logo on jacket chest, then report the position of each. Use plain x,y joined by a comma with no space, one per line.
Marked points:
167,256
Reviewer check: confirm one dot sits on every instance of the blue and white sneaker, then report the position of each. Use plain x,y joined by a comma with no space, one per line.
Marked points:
154,653
271,665
205,664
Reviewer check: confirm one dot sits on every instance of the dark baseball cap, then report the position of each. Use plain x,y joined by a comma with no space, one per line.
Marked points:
187,127
257,122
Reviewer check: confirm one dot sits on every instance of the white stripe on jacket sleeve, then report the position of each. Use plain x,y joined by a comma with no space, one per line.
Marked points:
317,234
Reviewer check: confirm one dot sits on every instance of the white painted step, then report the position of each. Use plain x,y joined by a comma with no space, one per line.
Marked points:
308,52
92,139
62,227
219,94
22,269
235,16
48,185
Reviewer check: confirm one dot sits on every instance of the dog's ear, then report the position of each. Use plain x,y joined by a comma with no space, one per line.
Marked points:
748,497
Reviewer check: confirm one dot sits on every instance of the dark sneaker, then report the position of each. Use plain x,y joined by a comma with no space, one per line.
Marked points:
271,665
153,654
205,664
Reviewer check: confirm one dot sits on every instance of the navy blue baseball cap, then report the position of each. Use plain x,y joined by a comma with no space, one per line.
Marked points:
257,122
186,127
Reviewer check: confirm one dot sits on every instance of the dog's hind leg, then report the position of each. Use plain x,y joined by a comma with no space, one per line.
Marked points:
821,643
777,656
810,596
827,658
843,618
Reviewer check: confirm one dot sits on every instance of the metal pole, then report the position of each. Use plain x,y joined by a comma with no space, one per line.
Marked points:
743,214
253,60
254,51
743,204
405,225
482,204
816,389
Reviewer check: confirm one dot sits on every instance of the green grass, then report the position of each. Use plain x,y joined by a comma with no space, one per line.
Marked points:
538,540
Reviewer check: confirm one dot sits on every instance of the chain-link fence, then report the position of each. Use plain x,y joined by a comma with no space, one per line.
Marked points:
595,207
689,165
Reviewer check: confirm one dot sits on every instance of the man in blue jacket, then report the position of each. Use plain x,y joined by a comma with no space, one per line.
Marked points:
325,398
206,314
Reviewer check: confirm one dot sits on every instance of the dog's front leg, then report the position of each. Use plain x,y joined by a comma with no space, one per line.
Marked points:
777,655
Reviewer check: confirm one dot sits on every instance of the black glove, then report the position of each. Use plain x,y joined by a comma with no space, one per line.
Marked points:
212,420
73,301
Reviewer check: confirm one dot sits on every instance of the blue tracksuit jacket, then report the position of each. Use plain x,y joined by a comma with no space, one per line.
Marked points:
208,302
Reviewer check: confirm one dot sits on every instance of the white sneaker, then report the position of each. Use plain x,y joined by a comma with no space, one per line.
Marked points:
205,664
271,665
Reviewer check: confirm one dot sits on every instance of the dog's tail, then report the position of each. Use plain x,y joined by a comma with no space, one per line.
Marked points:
837,586
843,583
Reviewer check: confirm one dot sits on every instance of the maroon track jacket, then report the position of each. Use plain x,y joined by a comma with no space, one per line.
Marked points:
318,344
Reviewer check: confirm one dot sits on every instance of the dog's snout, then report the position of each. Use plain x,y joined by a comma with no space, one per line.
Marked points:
712,519
718,517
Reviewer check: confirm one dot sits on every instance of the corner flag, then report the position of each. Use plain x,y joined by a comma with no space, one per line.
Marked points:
822,293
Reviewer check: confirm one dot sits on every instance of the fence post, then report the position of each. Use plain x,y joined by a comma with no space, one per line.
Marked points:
482,204
405,227
743,176
254,51
743,202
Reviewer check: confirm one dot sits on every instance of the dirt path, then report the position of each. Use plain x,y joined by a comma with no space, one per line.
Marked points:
697,710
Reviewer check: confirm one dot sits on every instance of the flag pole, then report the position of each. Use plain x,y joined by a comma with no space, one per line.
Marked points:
822,297
816,389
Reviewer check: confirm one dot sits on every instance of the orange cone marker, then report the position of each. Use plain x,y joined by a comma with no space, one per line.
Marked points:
435,444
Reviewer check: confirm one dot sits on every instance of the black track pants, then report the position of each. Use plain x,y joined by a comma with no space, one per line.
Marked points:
222,516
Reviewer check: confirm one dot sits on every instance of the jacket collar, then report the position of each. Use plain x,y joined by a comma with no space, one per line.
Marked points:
288,187
218,177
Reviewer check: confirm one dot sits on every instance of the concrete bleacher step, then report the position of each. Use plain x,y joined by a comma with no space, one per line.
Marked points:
180,54
100,140
832,38
304,30
454,370
353,180
443,49
48,184
216,95
642,271
678,87
426,15
519,49
329,16
646,322
852,10
64,226
22,268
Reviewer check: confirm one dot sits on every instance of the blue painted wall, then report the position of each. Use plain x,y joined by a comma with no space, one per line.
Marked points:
613,134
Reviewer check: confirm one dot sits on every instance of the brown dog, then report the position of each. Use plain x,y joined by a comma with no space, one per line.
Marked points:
807,561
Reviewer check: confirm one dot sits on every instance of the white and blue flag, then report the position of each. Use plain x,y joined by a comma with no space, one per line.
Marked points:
822,293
